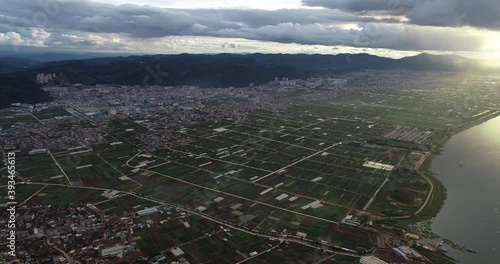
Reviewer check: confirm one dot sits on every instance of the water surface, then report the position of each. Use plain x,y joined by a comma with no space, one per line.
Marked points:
471,213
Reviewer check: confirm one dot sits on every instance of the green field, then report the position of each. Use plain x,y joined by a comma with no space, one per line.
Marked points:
299,171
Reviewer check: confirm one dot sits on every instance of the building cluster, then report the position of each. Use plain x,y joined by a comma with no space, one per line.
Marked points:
51,234
57,133
163,110
43,78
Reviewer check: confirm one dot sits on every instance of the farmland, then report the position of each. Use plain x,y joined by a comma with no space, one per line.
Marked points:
270,179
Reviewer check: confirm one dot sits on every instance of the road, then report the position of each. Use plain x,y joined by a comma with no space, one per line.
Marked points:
36,118
375,194
431,192
31,196
54,159
261,253
59,166
270,139
66,255
120,172
294,163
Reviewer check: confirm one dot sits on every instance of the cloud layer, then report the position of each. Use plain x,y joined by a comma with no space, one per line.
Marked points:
448,13
408,25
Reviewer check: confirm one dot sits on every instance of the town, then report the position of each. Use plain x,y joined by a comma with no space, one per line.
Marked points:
319,170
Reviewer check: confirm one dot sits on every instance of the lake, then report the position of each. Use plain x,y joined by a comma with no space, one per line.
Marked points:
471,213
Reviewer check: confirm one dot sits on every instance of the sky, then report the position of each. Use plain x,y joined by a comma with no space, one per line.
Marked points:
390,28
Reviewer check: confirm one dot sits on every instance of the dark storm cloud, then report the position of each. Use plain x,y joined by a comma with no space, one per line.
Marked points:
71,22
139,21
449,13
476,13
372,35
358,6
153,22
147,21
259,18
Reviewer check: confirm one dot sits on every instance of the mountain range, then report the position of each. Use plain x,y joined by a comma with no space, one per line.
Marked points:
219,70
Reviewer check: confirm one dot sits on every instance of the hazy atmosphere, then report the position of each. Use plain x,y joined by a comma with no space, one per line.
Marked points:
250,132
391,28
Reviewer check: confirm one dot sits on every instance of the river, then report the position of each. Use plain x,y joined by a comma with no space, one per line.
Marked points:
471,213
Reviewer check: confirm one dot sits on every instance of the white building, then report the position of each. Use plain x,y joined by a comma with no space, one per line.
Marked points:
371,260
147,211
176,251
112,251
38,151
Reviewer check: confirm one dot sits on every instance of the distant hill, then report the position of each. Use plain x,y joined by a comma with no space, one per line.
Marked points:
450,63
51,56
19,88
9,64
237,70
223,70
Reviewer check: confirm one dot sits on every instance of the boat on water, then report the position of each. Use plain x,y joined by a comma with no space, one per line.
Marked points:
471,251
461,247
443,249
461,163
457,245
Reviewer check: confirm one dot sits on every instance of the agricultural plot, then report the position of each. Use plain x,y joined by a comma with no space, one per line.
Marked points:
233,202
125,130
23,192
84,168
9,119
59,195
317,162
122,204
50,113
116,153
308,170
205,242
39,168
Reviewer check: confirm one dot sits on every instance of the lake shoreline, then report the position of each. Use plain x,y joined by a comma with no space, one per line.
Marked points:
439,196
438,155
437,150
